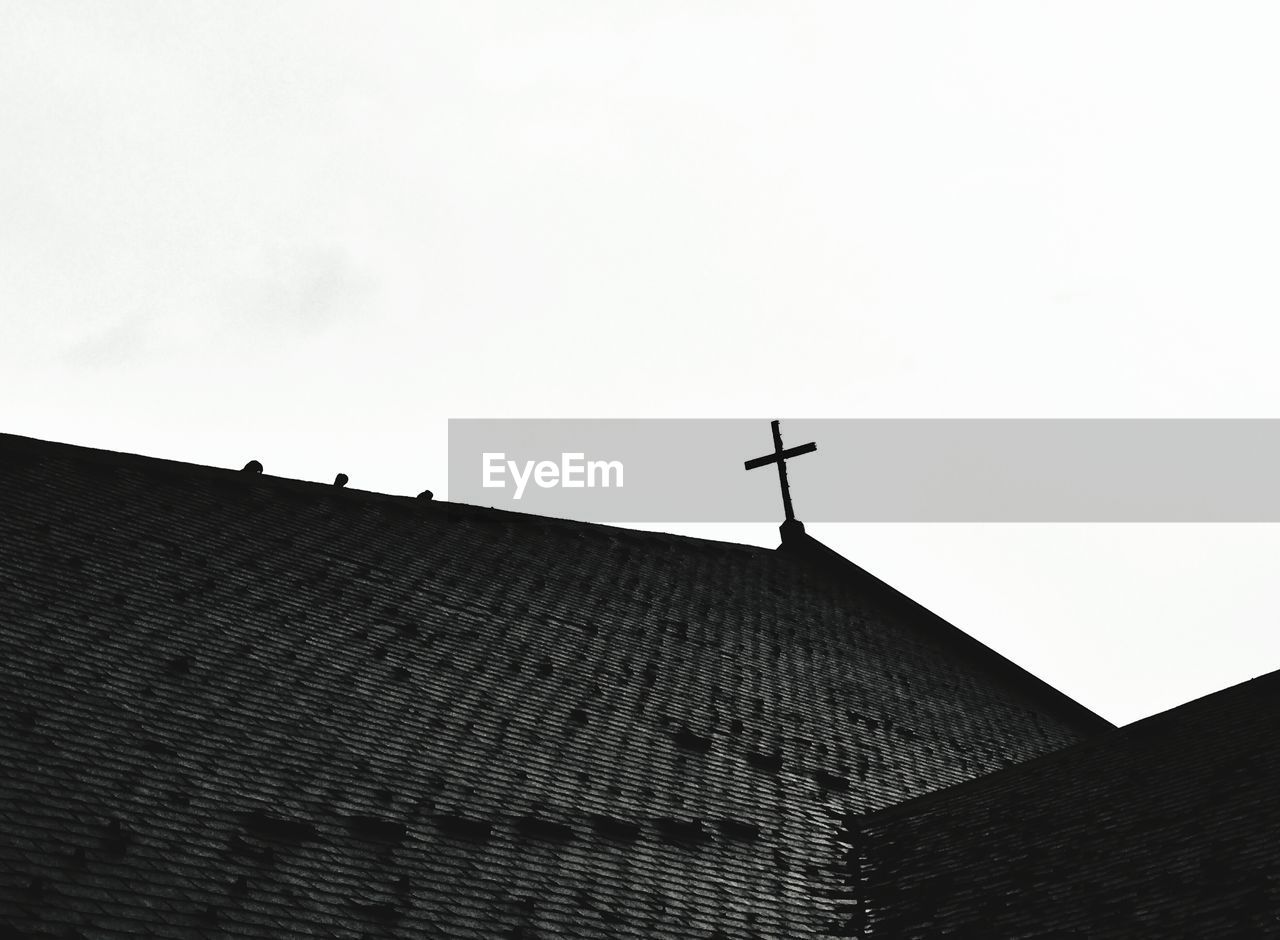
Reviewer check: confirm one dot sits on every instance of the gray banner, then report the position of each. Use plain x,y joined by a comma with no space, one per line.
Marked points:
872,470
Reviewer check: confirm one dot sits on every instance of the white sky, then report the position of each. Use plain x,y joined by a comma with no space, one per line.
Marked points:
311,232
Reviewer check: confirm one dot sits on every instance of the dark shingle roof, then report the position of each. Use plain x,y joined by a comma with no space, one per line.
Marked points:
233,705
1167,827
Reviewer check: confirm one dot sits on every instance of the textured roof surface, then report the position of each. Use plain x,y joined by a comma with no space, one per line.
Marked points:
233,706
1169,827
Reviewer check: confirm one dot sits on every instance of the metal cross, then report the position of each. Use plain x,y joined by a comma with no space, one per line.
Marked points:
779,456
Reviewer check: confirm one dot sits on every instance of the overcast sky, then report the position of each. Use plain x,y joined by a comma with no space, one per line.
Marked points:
311,232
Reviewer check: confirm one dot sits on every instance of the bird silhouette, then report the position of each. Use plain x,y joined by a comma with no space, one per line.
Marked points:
252,466
341,479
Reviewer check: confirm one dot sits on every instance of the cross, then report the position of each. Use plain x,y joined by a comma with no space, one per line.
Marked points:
779,456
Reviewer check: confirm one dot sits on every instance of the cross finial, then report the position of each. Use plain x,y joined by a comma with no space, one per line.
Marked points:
779,456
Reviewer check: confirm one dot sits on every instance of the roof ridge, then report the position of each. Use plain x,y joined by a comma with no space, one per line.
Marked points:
798,544
23,444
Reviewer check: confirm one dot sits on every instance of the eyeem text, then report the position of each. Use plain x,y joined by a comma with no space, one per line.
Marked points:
573,471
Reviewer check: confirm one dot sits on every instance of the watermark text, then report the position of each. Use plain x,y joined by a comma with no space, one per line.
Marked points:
573,471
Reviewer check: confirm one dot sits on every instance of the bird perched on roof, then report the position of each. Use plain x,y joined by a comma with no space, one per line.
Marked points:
341,479
252,466
426,494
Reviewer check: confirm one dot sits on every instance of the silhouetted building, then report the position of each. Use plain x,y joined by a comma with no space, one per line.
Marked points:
238,706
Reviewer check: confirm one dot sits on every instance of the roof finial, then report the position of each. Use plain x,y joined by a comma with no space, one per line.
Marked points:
341,480
779,456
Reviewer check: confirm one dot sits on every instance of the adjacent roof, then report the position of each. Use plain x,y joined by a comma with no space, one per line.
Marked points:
1167,827
234,706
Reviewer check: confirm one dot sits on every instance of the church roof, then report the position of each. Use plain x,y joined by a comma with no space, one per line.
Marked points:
234,705
1166,827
